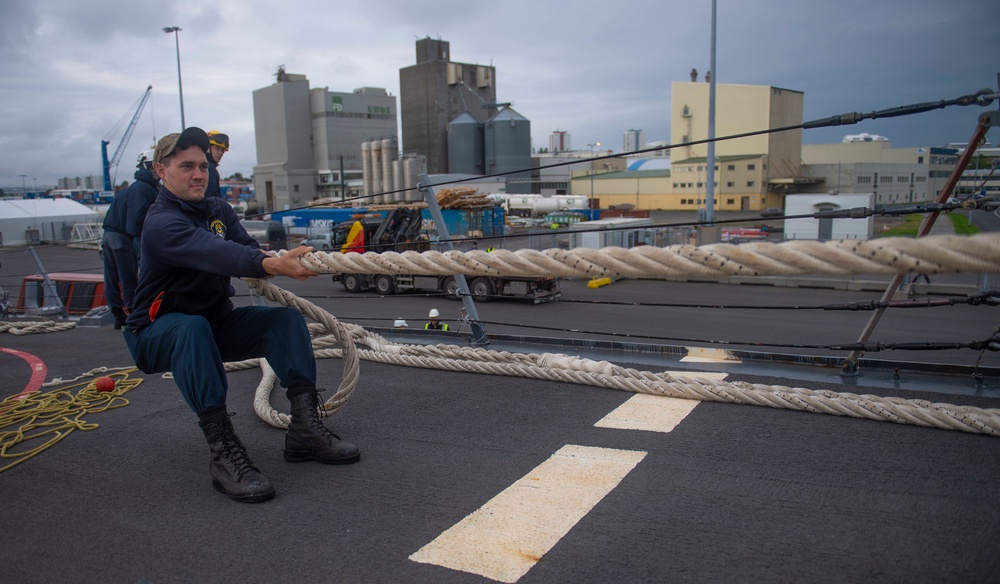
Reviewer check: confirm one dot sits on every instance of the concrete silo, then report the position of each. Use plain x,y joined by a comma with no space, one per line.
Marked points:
465,145
388,154
507,139
366,166
376,168
397,180
413,166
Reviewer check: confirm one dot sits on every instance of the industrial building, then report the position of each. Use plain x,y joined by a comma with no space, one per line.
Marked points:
751,173
434,92
894,175
309,140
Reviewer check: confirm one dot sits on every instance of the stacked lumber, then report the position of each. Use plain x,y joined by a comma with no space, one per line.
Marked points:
462,198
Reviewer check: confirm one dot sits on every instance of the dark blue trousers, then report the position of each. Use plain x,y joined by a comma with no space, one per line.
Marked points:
121,270
194,351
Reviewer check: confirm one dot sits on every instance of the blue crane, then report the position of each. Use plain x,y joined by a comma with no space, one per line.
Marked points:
108,165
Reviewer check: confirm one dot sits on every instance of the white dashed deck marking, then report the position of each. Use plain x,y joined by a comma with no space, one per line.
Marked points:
654,413
504,538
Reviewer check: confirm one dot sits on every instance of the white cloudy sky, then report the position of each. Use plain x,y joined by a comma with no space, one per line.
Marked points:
73,69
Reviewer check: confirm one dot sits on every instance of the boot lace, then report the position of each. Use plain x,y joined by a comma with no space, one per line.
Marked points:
316,422
234,452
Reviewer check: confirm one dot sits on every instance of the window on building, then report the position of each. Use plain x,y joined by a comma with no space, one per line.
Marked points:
885,179
751,167
699,185
921,179
730,201
700,168
902,179
730,167
675,185
750,183
730,184
920,159
296,188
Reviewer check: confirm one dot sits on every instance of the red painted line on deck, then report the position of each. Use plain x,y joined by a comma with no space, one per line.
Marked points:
38,371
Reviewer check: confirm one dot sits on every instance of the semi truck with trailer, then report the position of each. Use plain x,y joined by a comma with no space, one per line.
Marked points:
401,231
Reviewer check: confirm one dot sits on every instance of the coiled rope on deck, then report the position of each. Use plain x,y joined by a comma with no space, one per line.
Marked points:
937,254
35,327
32,422
568,369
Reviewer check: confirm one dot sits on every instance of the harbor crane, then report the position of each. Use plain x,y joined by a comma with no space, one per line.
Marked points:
107,164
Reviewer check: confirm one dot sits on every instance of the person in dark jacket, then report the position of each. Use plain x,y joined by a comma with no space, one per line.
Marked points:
218,145
141,195
122,230
121,265
184,320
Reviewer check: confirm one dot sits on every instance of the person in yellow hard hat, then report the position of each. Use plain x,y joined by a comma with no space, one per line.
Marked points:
435,324
218,145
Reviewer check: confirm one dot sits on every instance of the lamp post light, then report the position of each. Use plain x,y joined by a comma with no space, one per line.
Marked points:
180,87
590,203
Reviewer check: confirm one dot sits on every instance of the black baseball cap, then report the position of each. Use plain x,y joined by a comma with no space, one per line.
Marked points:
189,137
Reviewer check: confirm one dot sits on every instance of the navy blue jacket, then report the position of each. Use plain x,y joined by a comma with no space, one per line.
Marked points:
190,250
141,195
116,217
213,188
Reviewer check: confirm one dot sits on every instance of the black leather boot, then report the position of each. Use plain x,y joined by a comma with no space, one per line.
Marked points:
309,439
231,469
120,317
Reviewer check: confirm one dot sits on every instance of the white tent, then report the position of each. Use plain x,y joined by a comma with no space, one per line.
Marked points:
41,219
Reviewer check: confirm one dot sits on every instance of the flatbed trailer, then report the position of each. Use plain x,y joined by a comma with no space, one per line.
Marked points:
482,288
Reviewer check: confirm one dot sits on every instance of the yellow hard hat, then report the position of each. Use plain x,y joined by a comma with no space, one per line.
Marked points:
217,138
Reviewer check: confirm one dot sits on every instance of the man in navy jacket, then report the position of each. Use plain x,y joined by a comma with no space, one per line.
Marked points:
141,195
122,231
121,266
184,320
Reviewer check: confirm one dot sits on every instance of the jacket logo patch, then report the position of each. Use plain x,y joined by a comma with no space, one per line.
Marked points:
219,228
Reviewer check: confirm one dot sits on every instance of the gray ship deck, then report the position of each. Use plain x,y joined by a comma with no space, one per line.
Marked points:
734,493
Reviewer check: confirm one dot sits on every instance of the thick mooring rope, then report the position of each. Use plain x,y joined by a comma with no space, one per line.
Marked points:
35,327
937,254
565,368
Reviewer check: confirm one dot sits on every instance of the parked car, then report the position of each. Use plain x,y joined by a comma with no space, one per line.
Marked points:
322,242
773,212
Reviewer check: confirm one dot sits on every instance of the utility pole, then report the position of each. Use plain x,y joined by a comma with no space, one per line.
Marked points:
710,182
180,87
590,204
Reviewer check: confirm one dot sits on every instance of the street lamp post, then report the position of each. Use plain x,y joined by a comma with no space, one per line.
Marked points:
180,87
590,203
24,185
36,184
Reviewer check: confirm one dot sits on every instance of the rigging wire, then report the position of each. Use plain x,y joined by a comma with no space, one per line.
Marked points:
982,97
991,344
